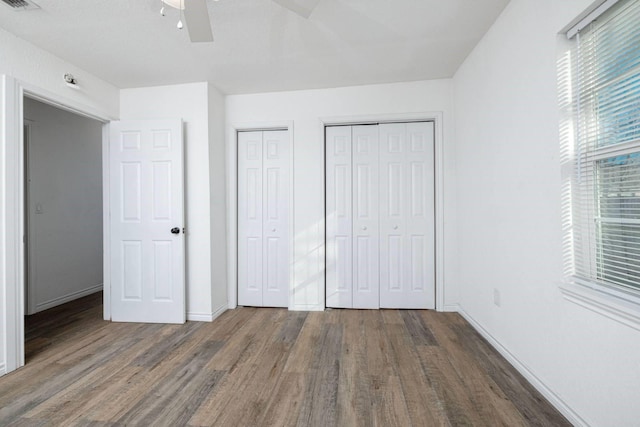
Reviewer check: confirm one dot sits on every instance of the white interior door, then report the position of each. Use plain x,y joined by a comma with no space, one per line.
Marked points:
365,152
380,239
275,178
146,222
263,218
250,226
352,278
407,236
339,248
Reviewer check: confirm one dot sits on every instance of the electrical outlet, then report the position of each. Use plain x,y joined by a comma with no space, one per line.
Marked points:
496,297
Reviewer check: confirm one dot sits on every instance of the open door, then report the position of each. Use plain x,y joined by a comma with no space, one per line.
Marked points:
147,221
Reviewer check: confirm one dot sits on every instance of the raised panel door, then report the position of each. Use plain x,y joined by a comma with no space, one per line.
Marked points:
339,245
250,215
146,204
275,164
365,155
263,218
407,248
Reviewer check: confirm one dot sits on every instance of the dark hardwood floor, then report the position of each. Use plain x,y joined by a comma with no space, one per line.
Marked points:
266,367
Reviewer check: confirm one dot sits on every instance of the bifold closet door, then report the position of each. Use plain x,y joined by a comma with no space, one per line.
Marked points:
380,240
407,217
352,217
263,218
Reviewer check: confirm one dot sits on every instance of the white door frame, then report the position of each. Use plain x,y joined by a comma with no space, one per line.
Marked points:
12,214
232,202
436,117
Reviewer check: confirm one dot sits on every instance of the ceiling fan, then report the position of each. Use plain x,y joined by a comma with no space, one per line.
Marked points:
196,15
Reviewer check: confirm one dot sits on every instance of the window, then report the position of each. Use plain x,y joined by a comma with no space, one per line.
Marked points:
606,182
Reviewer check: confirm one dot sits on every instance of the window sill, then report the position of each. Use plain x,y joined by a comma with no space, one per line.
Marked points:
625,310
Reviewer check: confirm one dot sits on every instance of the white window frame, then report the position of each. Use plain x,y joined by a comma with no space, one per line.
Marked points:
615,302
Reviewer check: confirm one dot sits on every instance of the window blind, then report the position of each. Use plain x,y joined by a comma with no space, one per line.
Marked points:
606,187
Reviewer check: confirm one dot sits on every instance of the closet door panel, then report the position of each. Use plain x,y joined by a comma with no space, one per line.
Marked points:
275,164
407,277
420,214
339,247
365,217
392,257
250,214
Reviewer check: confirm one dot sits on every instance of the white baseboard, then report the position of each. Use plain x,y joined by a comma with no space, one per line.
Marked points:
307,307
206,317
2,369
66,298
199,317
451,308
553,398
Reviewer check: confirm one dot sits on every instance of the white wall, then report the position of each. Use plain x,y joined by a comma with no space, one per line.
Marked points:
64,206
41,72
4,244
40,69
218,197
190,102
305,110
509,222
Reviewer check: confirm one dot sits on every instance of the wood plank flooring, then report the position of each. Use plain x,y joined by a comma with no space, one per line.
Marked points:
266,367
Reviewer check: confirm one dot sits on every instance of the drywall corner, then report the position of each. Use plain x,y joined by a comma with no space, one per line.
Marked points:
218,196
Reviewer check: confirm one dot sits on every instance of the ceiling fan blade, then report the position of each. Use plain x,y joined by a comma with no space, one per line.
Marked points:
196,17
303,8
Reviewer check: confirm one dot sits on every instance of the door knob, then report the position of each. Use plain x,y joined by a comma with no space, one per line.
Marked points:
273,229
175,230
364,227
395,227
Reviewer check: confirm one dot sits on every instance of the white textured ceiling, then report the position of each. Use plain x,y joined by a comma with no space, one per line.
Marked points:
260,46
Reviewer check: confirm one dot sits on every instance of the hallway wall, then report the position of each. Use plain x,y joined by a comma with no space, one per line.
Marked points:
64,206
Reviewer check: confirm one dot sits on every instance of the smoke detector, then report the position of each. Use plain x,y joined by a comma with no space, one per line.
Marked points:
19,5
